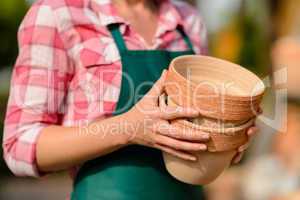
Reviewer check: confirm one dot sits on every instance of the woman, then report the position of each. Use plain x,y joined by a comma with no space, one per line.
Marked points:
82,68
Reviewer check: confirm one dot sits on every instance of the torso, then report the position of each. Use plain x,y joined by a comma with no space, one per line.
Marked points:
140,166
92,52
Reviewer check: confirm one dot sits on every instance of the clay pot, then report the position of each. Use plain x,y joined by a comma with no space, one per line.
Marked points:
228,99
210,164
217,88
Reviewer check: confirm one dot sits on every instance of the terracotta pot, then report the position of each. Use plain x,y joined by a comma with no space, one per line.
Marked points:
217,88
210,164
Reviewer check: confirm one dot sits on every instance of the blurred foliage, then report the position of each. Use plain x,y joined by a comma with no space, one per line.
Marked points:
11,14
255,50
193,2
3,100
246,38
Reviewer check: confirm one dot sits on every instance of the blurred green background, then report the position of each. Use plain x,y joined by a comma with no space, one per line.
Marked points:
11,13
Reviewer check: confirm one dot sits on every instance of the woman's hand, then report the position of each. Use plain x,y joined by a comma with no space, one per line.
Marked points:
153,129
251,132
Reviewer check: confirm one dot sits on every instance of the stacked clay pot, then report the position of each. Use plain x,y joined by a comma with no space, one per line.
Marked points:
227,97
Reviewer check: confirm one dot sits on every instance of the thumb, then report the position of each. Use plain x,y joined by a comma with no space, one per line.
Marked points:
158,87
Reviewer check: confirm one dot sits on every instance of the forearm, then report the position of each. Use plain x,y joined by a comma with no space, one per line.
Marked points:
59,148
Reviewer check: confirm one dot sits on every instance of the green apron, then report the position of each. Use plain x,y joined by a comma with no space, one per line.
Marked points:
134,172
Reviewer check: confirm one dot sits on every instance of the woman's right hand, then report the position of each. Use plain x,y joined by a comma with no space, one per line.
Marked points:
149,126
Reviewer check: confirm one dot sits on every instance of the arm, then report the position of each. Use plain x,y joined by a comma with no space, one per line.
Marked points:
38,88
60,147
33,140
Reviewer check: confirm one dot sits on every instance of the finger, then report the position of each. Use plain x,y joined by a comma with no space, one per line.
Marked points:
238,158
252,131
178,144
176,153
170,113
162,101
165,128
244,147
158,87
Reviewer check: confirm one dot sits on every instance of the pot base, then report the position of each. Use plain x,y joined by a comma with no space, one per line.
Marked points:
202,172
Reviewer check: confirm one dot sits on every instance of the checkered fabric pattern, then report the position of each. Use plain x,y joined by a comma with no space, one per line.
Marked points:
68,71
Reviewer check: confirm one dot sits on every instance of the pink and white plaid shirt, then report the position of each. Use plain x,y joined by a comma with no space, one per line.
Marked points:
65,51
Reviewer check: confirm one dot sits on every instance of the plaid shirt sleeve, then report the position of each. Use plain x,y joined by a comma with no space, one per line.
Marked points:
38,89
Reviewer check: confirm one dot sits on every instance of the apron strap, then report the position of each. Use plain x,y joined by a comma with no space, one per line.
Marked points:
118,38
185,37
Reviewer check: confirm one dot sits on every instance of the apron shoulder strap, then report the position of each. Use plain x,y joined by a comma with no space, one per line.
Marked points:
117,36
185,37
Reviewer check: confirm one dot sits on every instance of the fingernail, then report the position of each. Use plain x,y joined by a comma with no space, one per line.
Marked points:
202,147
206,136
193,111
193,158
243,148
250,131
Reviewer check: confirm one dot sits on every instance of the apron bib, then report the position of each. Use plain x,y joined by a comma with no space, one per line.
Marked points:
134,172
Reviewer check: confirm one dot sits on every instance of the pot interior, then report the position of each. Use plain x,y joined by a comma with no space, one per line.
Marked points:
218,75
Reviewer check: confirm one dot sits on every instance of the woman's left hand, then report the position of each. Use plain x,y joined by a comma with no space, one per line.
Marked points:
251,132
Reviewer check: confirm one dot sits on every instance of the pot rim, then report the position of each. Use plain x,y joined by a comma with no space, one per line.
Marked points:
258,94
